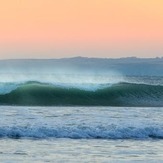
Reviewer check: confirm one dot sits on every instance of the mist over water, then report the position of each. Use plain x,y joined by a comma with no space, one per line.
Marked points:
80,81
82,71
19,72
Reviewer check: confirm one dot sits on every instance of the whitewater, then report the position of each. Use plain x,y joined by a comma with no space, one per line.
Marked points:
81,110
81,134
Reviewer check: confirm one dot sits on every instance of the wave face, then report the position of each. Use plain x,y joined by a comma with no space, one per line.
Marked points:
45,94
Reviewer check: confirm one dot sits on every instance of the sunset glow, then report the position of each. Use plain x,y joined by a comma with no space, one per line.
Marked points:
93,28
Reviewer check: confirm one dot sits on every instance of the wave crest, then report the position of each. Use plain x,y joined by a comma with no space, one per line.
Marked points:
121,94
79,132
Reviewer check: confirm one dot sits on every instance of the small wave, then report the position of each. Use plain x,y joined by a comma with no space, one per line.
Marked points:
79,132
120,94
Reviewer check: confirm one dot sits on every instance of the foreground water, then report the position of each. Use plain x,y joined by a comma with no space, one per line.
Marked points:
69,150
81,134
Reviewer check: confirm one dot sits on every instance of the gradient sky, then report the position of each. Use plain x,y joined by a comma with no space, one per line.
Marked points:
92,28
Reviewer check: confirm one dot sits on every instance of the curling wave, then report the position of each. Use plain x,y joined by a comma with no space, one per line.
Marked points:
44,94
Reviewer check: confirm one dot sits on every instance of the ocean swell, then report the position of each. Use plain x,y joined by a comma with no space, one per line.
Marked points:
120,94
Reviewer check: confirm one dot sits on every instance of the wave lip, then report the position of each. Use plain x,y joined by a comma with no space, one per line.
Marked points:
120,94
111,132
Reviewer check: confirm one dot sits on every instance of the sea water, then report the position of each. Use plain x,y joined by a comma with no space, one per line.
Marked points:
81,134
81,110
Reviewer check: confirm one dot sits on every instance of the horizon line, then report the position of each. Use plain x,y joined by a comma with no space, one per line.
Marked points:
132,57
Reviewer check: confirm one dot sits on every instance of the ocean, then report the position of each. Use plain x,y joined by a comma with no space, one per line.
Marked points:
81,134
74,115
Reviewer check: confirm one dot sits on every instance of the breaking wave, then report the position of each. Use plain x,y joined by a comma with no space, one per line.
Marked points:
97,132
44,94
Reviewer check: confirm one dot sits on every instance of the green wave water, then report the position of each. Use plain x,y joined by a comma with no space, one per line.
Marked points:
121,94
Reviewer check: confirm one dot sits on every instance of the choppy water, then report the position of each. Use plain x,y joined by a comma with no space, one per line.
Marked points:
81,134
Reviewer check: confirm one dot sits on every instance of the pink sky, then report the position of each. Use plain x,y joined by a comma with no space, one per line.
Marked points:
92,28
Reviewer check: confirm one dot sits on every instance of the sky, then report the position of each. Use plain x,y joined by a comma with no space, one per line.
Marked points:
88,28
